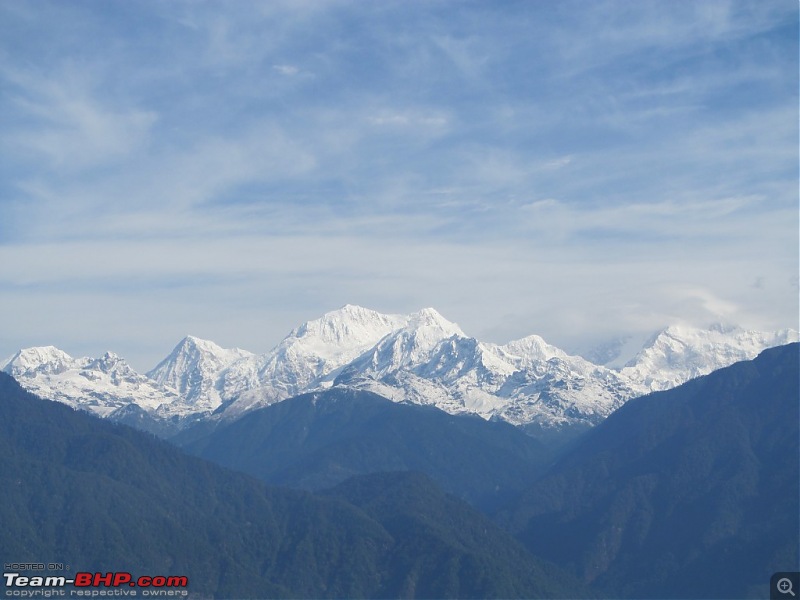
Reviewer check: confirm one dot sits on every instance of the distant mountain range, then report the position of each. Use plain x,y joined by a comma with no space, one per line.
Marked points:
420,358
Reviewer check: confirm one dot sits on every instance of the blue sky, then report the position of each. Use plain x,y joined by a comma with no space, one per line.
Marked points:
230,169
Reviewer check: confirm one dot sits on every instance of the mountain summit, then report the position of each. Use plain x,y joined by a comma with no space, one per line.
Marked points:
192,369
679,353
340,334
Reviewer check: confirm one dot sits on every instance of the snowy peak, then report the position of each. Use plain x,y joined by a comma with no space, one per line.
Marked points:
193,369
39,359
429,328
430,319
412,344
110,363
303,358
315,353
49,361
338,336
98,385
680,352
344,331
458,358
531,349
191,350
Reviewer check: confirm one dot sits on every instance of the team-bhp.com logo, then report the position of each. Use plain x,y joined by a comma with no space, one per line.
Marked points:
94,585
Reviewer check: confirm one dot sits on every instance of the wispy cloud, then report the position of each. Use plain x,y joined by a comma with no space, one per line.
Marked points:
67,125
286,69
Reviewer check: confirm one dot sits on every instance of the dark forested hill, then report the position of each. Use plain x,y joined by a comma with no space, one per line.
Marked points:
317,440
103,497
464,554
688,493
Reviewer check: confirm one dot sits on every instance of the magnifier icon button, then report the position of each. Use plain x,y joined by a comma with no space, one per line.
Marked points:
784,586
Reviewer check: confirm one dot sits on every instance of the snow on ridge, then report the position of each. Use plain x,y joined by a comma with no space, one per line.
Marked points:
532,348
350,329
421,358
98,385
194,370
680,352
43,358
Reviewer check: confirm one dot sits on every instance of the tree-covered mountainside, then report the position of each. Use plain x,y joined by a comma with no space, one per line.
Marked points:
688,493
459,546
317,440
104,497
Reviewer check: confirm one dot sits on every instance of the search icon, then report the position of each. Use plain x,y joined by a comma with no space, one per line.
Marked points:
784,586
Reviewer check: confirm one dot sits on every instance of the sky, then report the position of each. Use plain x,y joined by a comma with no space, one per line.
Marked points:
578,170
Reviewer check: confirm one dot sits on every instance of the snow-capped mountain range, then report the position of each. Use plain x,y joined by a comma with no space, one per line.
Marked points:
420,358
98,385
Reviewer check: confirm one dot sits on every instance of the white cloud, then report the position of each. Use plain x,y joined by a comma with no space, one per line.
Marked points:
419,120
286,69
538,205
557,163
